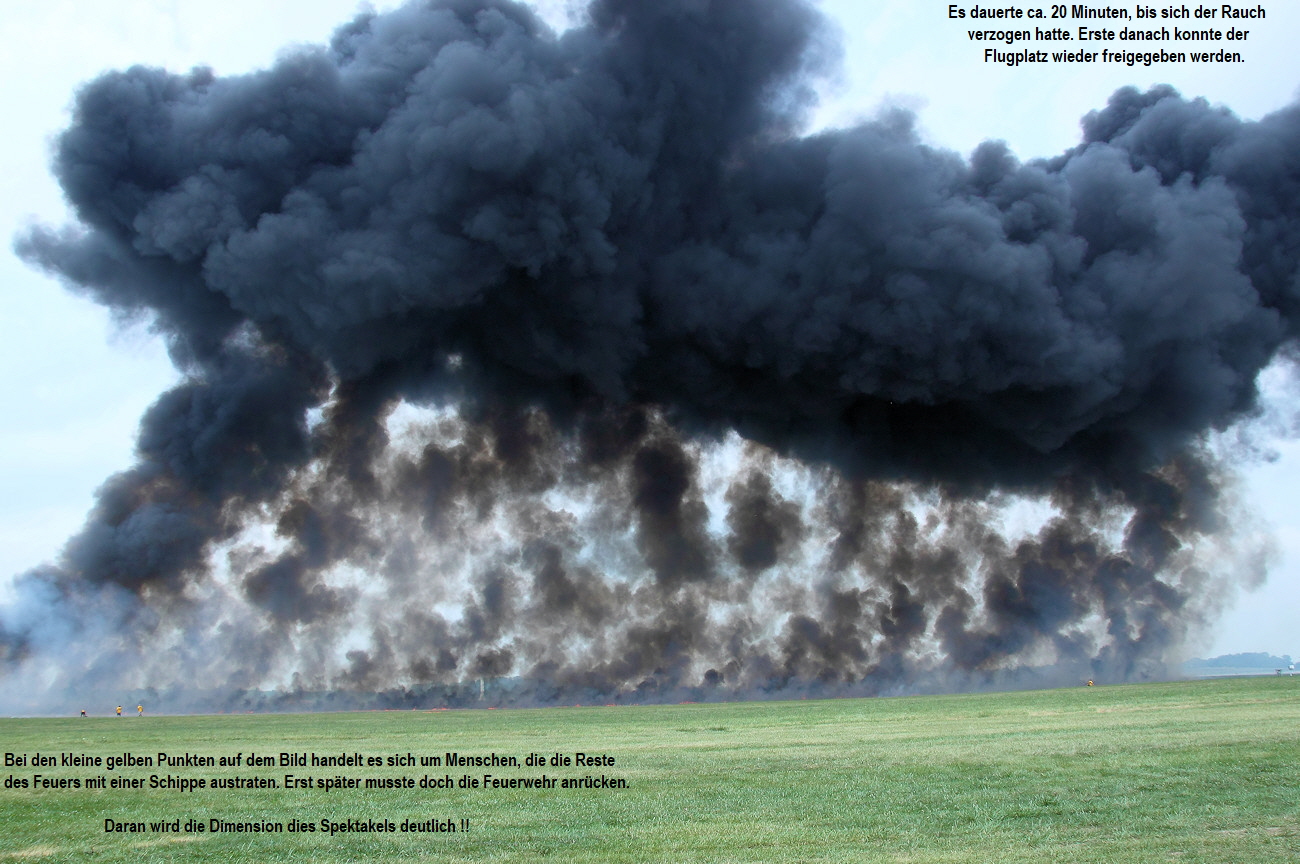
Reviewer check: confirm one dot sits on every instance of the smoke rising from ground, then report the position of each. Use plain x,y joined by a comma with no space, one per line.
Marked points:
567,360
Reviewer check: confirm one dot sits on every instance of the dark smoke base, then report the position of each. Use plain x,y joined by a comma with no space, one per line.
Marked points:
610,250
515,693
463,579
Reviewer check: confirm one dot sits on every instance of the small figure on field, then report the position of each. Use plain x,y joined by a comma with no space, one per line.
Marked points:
83,712
119,710
1089,682
139,709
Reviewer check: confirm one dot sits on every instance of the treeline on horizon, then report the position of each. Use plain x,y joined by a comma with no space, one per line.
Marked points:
1247,659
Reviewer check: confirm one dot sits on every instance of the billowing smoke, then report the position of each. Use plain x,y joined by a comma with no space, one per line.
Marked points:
548,365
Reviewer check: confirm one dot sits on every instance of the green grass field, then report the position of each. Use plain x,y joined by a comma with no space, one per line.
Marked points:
1194,771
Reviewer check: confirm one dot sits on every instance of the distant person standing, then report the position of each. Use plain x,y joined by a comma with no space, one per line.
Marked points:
119,710
139,710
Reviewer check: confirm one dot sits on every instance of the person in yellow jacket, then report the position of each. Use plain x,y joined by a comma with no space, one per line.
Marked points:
119,710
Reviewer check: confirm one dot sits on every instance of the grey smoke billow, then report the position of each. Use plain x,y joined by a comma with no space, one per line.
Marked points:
598,255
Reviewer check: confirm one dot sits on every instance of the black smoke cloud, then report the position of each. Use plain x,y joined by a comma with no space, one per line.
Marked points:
568,360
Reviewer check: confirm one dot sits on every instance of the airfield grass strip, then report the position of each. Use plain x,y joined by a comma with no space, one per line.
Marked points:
1203,771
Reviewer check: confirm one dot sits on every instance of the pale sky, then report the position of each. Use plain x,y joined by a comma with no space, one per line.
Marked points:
75,383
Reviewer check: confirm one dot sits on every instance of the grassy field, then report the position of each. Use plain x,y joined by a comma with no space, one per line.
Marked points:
1194,771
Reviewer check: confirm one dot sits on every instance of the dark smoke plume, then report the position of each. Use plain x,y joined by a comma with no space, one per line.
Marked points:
529,366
